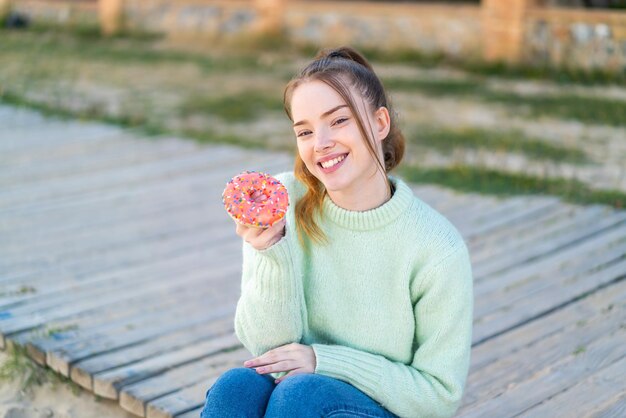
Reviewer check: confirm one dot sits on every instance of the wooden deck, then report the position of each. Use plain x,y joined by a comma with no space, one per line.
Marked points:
120,269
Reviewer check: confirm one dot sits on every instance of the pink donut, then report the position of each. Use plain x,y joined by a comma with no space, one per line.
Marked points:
237,198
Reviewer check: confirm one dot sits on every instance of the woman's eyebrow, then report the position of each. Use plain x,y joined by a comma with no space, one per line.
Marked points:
328,112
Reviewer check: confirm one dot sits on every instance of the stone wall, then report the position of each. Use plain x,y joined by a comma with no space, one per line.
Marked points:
188,17
451,29
60,12
523,31
576,38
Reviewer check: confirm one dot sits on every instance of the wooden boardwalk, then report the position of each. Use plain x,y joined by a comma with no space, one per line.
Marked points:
120,269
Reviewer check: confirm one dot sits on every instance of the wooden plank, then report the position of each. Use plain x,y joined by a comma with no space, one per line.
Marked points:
560,251
562,274
19,195
52,135
46,302
87,187
565,274
490,381
18,165
546,247
135,397
529,233
512,211
553,378
617,410
182,401
61,360
194,413
91,239
118,317
39,318
156,269
487,380
552,297
108,384
62,218
431,194
552,218
464,211
191,194
586,311
87,203
118,152
527,226
132,254
602,388
82,371
451,207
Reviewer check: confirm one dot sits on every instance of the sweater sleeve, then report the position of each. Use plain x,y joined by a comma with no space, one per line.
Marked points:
433,383
269,310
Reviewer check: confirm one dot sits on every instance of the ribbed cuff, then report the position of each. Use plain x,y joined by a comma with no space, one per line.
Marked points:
363,370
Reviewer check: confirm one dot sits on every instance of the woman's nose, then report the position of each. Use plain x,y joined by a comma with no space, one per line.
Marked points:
323,141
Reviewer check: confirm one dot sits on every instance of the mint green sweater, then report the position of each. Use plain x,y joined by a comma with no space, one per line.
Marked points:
387,305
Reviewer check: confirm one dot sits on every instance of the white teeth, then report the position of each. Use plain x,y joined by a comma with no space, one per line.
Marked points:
328,164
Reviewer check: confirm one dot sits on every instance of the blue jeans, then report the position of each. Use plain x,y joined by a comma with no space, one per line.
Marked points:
243,393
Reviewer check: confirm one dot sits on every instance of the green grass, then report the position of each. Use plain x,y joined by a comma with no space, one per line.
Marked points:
116,50
23,290
504,141
90,113
89,37
19,368
478,66
90,30
462,178
493,182
234,108
595,110
140,124
209,137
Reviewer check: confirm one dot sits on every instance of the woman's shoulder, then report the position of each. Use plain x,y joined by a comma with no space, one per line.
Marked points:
433,228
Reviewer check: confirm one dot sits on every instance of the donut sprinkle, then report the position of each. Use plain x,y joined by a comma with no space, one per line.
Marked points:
238,202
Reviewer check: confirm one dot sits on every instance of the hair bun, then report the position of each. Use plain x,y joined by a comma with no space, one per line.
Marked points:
344,52
337,54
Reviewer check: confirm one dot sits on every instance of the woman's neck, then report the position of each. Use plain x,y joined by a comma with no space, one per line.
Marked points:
373,195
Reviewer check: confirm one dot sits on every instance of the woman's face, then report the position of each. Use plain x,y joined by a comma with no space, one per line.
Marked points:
328,137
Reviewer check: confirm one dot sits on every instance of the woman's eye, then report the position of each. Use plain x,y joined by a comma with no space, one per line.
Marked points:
340,120
303,133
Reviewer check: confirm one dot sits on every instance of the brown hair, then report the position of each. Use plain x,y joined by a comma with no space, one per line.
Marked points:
340,69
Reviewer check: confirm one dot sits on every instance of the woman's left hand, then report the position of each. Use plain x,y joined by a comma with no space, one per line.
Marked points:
295,357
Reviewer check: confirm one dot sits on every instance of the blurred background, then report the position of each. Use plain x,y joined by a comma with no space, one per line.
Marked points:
500,97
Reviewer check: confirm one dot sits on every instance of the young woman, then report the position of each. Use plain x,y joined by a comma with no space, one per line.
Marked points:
360,302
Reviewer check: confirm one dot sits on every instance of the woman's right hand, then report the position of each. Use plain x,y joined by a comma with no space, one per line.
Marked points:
258,238
262,238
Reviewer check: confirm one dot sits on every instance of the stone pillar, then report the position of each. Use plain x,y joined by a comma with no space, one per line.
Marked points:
503,28
110,15
271,15
5,8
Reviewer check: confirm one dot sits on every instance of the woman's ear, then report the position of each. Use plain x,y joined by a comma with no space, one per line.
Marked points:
383,123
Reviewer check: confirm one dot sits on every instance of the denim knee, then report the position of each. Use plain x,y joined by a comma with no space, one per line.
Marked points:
293,396
300,384
238,392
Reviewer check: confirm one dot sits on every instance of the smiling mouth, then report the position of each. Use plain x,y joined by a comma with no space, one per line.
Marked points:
333,162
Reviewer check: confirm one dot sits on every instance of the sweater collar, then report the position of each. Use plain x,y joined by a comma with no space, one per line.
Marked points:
373,218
